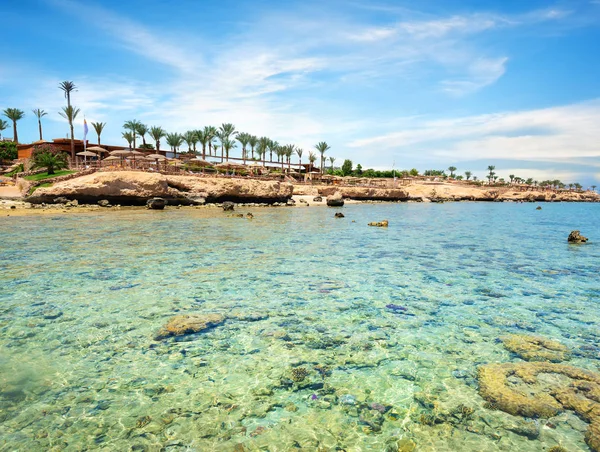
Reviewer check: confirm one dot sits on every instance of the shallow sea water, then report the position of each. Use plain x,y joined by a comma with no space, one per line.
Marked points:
82,296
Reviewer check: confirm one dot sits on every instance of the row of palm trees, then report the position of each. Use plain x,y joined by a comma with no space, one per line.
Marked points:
212,139
69,112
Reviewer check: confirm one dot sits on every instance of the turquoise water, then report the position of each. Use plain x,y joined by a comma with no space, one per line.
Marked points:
82,296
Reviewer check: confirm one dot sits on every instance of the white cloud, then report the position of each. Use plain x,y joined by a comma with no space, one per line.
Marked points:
551,134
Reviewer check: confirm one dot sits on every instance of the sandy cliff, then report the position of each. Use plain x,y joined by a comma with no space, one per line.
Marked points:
134,187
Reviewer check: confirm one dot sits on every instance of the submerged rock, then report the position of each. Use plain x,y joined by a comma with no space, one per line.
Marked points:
532,348
188,324
379,224
576,237
581,395
339,215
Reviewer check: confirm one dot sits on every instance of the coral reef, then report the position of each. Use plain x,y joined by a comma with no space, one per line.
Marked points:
582,395
532,348
299,374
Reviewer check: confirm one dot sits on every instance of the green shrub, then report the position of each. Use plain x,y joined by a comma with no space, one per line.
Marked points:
8,150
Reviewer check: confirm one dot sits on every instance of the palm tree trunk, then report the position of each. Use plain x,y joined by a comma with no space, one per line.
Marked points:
98,139
40,127
15,135
203,151
72,142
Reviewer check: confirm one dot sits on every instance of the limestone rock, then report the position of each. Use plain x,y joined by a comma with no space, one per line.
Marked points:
228,206
335,200
317,199
135,187
339,215
379,224
104,203
61,200
188,324
576,237
156,204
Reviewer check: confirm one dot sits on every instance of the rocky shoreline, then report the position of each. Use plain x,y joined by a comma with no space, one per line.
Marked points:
133,188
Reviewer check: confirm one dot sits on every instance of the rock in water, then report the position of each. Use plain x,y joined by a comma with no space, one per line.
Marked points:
156,204
576,237
379,224
538,208
227,206
188,324
339,215
104,203
335,200
317,199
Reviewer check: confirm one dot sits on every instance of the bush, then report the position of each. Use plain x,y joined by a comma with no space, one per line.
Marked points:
8,150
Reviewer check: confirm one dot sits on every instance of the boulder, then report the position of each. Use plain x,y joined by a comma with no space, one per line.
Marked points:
156,204
61,200
188,324
104,203
576,237
538,208
335,200
228,206
339,215
379,224
318,199
291,202
249,215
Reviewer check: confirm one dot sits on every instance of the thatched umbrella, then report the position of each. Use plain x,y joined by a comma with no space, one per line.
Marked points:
97,149
86,154
122,152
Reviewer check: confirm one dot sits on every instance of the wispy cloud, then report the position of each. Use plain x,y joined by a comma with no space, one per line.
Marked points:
551,134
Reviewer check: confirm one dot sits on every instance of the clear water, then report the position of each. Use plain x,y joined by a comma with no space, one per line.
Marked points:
82,295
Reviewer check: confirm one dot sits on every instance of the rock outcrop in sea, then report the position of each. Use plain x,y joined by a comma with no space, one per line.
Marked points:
335,199
576,237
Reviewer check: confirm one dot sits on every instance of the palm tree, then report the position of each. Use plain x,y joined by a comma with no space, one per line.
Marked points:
39,114
322,147
279,153
289,151
211,134
468,174
50,161
224,133
190,139
68,88
142,130
70,114
133,127
263,145
98,127
227,145
174,140
273,146
157,133
452,169
511,177
244,139
14,114
491,169
3,126
128,137
253,141
312,158
593,188
203,139
299,154
331,160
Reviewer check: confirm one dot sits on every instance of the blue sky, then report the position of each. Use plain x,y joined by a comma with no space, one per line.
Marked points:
425,84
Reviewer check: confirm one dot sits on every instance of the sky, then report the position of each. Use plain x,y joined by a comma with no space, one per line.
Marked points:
425,85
